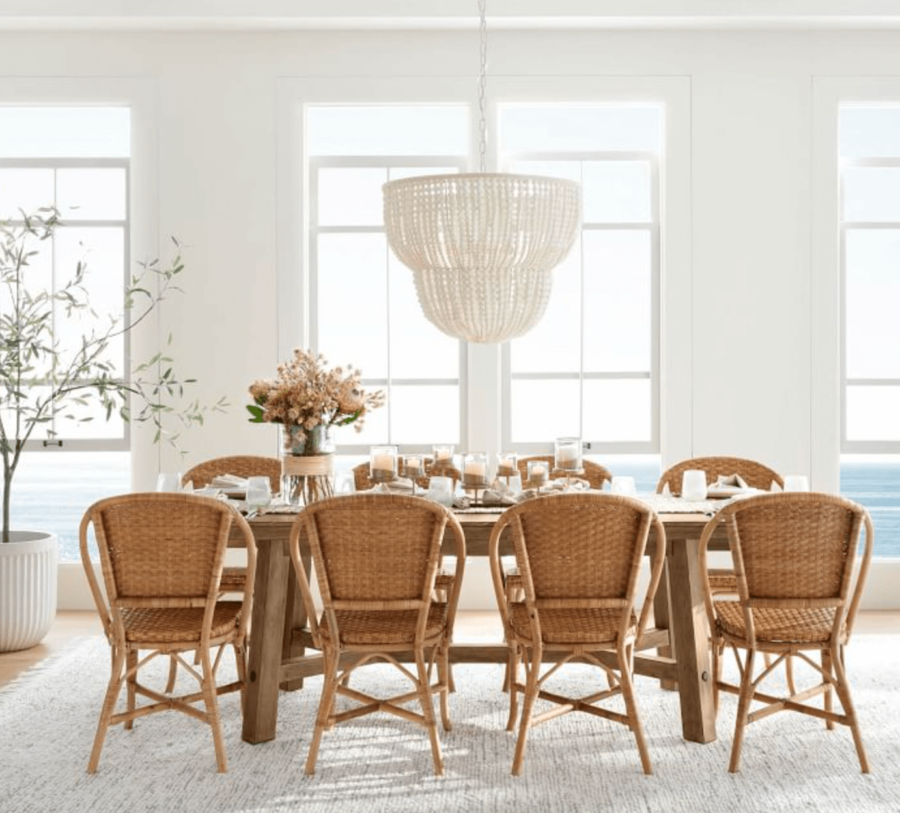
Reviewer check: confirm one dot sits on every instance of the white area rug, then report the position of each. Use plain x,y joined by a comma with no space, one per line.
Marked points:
375,764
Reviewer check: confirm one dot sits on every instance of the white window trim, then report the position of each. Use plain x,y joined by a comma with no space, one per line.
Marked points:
859,446
482,416
652,227
123,442
316,229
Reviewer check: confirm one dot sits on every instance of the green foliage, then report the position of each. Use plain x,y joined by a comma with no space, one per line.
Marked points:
41,379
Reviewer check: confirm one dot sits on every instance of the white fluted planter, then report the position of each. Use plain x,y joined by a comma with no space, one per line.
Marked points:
28,566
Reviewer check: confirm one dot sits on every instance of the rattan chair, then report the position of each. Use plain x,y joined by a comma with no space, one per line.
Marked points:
239,465
377,559
578,558
234,578
594,473
795,556
161,557
756,475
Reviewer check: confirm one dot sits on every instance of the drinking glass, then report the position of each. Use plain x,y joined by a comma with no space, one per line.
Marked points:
344,483
623,485
796,482
693,485
440,489
259,492
169,481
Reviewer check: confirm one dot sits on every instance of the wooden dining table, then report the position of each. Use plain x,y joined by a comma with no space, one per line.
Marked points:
278,659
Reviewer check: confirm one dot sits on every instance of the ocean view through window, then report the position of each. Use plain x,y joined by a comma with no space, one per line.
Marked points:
53,489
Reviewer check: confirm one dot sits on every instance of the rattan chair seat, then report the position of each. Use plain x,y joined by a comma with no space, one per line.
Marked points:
572,626
775,624
182,624
386,627
233,580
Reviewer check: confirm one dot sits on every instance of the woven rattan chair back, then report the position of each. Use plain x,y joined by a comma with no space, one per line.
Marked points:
377,558
578,560
240,466
795,547
594,473
756,475
375,548
799,588
161,558
160,547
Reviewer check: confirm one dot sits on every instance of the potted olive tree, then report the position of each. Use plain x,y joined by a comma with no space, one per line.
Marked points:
43,380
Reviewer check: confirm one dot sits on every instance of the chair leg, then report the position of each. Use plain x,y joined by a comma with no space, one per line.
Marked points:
631,708
828,698
428,713
443,663
109,704
211,700
131,661
240,660
843,692
531,692
743,710
173,672
329,689
512,675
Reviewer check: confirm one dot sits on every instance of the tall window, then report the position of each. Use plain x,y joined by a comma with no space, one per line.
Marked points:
76,159
870,274
596,349
364,309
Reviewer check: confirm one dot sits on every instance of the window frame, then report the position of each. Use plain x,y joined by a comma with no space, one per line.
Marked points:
123,442
314,164
653,227
859,446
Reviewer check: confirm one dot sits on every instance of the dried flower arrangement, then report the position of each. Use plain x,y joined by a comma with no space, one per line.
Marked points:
306,394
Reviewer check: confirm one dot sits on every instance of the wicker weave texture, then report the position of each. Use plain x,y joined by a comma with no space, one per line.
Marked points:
162,544
594,473
375,555
240,466
482,246
756,475
795,548
579,547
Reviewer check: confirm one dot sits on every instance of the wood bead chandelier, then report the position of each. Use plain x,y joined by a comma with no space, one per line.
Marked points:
482,246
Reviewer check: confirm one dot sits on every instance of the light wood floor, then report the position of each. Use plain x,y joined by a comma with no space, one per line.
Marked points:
470,626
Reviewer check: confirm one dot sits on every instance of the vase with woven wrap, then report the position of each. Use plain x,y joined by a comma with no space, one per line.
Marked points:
309,399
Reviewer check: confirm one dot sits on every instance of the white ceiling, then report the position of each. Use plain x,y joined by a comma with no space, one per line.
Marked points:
268,15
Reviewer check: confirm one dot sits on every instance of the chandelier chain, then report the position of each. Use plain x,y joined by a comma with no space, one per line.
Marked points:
482,86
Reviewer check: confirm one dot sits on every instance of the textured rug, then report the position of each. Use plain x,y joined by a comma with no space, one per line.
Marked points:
382,764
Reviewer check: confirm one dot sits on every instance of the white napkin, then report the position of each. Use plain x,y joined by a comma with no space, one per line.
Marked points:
228,481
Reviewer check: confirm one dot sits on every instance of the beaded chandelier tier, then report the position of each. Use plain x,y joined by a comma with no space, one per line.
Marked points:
482,246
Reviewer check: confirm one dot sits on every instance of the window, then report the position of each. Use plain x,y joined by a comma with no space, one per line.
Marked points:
77,159
363,303
597,345
869,150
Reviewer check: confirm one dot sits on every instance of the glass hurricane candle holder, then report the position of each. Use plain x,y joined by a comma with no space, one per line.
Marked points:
567,454
506,464
537,473
383,464
475,470
413,465
443,456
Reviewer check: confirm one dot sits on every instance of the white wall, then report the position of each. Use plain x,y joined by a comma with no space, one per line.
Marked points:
743,315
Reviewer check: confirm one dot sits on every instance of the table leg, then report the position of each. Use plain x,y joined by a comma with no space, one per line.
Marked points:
273,567
690,632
